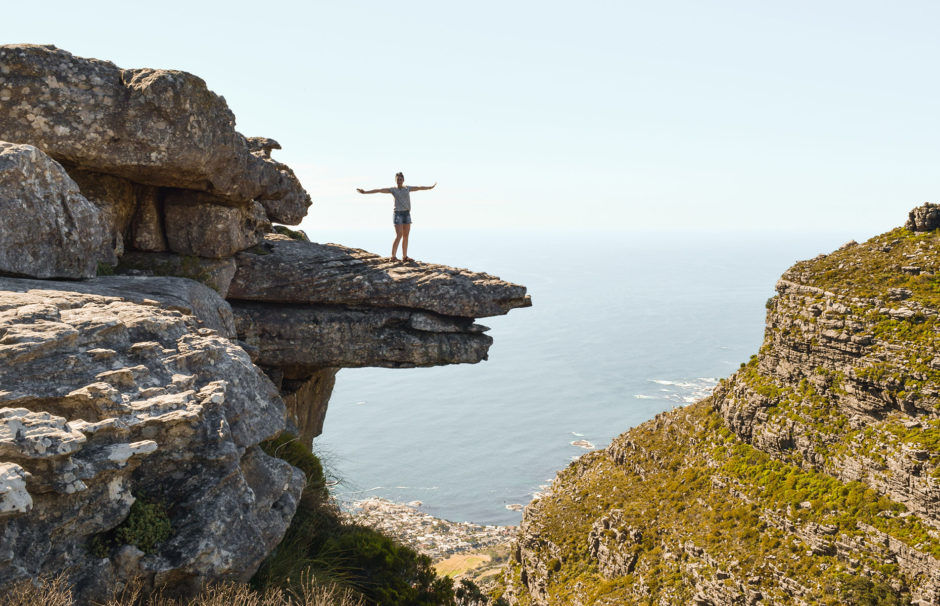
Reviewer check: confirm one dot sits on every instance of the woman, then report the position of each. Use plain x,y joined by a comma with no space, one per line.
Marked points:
402,216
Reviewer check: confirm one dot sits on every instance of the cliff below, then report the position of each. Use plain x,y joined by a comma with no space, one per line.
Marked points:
810,476
156,328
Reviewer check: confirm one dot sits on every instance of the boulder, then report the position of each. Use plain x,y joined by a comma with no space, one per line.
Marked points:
924,218
197,225
294,271
47,228
106,399
157,127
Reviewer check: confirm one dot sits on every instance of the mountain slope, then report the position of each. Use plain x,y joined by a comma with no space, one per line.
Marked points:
809,476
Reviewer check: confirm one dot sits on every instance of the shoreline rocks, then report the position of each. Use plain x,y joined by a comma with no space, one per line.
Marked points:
434,537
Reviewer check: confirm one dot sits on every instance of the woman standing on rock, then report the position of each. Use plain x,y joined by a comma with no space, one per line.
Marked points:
402,216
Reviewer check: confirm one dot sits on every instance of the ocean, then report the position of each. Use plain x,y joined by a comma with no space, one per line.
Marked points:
623,326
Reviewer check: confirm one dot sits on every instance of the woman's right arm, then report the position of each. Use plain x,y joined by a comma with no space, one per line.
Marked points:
373,191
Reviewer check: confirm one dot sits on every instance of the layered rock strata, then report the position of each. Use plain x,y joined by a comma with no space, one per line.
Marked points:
139,392
152,126
302,308
810,476
106,398
154,150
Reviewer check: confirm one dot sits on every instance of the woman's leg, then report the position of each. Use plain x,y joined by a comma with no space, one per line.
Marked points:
406,229
398,233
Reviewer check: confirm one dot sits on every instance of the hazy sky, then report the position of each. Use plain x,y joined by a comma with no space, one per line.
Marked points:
590,115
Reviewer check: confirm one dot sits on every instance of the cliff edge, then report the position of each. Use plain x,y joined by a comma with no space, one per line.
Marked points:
156,328
810,476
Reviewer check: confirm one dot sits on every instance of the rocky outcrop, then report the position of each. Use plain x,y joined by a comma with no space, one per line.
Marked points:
303,308
47,228
307,399
196,226
301,340
811,472
924,218
294,271
157,127
217,274
131,403
94,382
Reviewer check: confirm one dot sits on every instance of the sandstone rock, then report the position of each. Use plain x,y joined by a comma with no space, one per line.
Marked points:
614,544
115,197
178,294
924,218
157,127
262,146
93,384
302,340
14,498
306,401
47,228
196,225
294,271
215,273
147,231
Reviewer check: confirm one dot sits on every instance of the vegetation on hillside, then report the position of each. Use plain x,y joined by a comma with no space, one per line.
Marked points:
321,545
899,258
693,488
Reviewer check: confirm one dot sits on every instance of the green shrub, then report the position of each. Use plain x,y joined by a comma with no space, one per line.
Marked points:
293,234
146,525
319,544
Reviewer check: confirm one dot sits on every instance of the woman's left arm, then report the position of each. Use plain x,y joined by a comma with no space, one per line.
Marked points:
420,187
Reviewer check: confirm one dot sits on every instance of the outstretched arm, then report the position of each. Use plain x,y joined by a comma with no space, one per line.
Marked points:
384,190
420,187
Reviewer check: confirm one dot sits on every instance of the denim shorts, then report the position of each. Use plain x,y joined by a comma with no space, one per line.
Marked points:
402,217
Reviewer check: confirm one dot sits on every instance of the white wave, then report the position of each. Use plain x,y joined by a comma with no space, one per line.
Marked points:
684,391
577,435
640,396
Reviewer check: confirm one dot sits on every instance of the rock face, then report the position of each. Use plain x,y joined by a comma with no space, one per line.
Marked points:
158,127
217,274
814,471
294,271
91,385
155,152
924,218
139,392
203,229
47,228
303,308
306,339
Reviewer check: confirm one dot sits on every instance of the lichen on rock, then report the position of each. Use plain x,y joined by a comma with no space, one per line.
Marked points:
90,386
47,228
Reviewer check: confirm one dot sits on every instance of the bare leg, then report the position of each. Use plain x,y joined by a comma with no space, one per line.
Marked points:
398,233
406,229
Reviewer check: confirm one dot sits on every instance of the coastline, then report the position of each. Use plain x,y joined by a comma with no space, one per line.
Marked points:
458,549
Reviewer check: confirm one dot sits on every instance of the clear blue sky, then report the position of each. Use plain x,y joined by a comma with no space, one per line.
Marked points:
597,115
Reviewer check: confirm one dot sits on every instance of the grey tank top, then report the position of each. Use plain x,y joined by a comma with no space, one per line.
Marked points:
402,197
